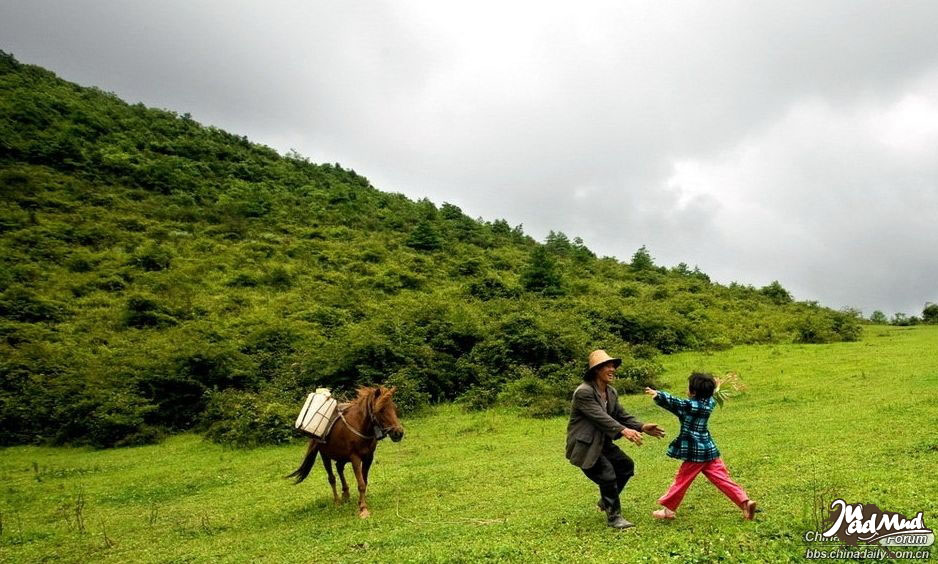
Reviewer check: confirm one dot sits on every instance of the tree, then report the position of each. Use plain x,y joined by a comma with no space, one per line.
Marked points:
642,260
424,237
776,293
557,243
878,318
930,314
542,275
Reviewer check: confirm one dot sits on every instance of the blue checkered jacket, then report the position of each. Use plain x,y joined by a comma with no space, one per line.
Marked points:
693,443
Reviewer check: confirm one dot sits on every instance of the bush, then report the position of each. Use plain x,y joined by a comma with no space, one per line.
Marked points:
153,257
491,287
22,304
243,419
542,275
279,278
144,312
478,398
629,291
410,397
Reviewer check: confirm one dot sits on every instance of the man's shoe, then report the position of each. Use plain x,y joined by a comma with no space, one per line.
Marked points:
618,522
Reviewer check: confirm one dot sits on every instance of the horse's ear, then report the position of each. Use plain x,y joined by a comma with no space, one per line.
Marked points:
392,390
377,392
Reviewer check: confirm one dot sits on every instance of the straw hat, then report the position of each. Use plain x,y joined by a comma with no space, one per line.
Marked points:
598,357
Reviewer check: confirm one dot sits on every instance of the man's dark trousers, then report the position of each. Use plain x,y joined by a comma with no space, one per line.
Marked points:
611,472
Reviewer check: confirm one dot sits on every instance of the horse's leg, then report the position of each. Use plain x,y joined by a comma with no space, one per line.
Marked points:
362,486
366,465
341,467
327,462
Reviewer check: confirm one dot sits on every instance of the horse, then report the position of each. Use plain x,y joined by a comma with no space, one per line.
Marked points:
354,438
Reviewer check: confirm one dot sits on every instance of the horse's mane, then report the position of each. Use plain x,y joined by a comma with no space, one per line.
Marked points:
365,398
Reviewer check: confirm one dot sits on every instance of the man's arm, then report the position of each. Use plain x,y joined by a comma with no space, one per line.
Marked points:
630,421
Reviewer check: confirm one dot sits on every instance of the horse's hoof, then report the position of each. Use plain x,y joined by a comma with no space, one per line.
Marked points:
364,514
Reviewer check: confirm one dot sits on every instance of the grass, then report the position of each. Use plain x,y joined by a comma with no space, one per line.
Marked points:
850,420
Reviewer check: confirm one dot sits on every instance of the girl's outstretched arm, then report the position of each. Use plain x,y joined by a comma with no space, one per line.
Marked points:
664,399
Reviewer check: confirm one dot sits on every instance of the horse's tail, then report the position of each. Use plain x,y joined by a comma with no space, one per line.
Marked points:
303,471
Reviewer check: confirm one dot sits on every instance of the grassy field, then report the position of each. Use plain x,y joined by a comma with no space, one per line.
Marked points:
852,420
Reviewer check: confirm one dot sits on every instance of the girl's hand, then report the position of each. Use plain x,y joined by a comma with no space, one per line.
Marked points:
651,393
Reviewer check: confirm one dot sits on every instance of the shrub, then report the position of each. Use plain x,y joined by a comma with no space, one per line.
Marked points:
22,304
776,293
279,278
424,237
144,312
410,397
629,291
178,400
153,257
491,287
243,419
242,280
119,421
929,314
477,398
542,274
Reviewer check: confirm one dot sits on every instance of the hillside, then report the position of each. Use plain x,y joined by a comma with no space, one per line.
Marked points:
159,275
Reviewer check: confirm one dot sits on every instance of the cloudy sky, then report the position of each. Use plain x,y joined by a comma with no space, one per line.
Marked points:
788,140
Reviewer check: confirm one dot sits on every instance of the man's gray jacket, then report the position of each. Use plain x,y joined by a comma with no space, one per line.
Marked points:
590,424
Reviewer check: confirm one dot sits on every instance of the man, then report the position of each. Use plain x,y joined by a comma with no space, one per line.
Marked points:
597,419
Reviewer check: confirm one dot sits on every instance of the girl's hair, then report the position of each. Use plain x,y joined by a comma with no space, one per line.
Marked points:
702,385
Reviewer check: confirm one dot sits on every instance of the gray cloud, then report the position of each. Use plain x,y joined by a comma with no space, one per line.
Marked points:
760,140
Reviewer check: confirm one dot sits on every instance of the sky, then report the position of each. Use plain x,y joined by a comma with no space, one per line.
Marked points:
793,141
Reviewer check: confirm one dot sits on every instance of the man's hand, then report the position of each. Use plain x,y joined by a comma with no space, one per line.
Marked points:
651,392
653,429
633,436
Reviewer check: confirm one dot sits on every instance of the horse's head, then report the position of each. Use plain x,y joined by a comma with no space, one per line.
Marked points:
384,413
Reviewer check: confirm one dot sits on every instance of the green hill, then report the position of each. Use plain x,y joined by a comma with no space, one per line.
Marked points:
159,275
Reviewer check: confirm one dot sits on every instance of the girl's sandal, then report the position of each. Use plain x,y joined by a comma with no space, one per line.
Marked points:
749,512
663,513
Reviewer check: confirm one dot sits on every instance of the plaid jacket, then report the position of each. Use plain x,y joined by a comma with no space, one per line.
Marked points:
694,443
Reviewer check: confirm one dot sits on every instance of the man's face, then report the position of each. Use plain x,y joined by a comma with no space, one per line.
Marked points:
607,373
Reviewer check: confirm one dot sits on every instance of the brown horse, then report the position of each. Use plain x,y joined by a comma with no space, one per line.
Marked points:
354,438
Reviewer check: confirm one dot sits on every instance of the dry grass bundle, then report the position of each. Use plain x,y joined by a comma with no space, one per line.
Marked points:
730,385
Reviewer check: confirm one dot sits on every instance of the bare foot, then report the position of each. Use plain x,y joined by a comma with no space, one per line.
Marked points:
364,514
749,510
663,513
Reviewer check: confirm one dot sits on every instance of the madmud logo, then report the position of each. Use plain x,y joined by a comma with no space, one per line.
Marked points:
868,524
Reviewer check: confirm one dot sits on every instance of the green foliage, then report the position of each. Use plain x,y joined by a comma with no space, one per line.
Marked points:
152,258
642,260
155,272
243,419
542,275
409,396
424,237
776,293
143,312
827,327
930,314
21,304
446,493
879,318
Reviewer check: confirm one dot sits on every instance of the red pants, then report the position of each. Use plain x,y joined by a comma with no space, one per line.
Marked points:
715,471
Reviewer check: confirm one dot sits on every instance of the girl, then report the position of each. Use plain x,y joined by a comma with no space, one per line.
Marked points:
696,448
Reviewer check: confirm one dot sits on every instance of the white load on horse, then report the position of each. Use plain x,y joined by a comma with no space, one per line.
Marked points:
318,415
